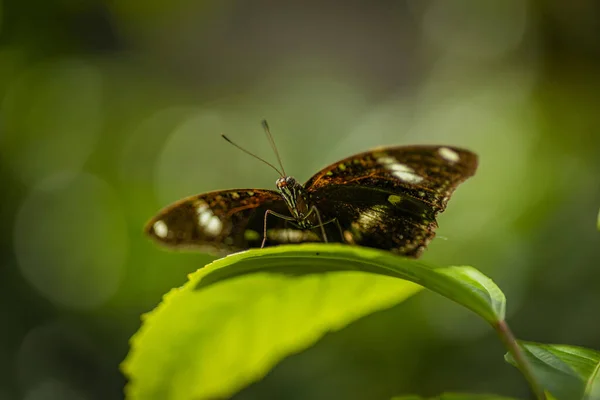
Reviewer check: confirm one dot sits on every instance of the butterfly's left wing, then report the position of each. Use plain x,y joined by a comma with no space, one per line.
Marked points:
388,198
225,221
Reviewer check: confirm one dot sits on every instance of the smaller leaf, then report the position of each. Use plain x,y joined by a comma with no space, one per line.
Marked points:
455,396
567,372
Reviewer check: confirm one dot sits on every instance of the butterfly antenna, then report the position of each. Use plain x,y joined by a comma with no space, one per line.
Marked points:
272,141
252,154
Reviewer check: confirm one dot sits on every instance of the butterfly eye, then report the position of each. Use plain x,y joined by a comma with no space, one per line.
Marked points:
290,181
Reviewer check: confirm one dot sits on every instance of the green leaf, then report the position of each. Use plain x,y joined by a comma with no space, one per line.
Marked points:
465,285
567,372
455,396
239,316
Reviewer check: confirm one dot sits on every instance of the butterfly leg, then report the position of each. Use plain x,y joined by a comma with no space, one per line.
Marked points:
285,217
318,214
337,224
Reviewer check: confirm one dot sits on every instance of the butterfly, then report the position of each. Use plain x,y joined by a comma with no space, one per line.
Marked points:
387,198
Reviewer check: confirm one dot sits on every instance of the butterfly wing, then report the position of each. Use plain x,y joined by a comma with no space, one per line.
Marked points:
388,198
225,221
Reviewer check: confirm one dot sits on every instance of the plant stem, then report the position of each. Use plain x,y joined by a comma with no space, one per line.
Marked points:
515,350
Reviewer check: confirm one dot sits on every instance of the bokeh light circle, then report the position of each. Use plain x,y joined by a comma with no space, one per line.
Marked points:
52,389
478,30
145,143
52,116
71,240
47,357
188,156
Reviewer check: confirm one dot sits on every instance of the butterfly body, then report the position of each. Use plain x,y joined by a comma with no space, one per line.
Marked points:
298,202
387,198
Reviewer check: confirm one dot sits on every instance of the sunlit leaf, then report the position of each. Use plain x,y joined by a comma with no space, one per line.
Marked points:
239,316
463,284
567,372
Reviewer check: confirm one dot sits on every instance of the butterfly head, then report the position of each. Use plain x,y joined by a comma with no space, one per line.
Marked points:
294,195
289,188
286,182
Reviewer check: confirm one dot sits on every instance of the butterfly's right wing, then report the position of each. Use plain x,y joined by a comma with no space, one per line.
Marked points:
389,198
225,221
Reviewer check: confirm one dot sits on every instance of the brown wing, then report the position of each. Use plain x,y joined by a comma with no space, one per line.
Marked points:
388,198
429,174
222,222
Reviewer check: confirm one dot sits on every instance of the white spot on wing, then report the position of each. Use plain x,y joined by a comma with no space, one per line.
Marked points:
409,177
160,229
291,235
386,160
214,226
201,206
349,237
206,219
397,167
370,217
448,154
399,170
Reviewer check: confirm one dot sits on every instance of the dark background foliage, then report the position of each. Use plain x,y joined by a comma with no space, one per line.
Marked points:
111,110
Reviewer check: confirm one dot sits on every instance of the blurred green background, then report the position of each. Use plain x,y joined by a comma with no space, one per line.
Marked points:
111,110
